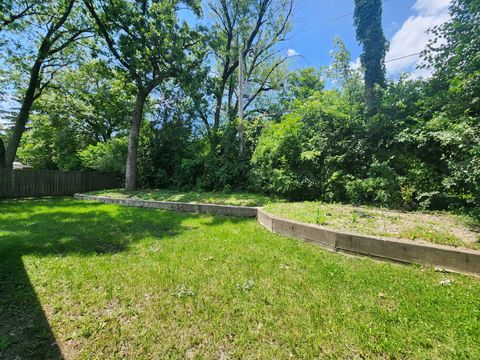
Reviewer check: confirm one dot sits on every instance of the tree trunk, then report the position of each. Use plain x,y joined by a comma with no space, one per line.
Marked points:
240,103
2,155
131,171
218,109
22,117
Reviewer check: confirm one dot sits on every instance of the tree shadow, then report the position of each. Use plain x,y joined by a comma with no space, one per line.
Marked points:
62,227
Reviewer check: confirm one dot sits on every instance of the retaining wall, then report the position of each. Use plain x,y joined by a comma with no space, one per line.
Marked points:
445,257
243,211
448,258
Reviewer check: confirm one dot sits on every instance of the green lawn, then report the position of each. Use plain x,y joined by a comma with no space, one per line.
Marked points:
437,227
222,198
106,282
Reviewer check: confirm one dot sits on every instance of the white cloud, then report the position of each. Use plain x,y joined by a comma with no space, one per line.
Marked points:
431,7
412,36
292,52
355,65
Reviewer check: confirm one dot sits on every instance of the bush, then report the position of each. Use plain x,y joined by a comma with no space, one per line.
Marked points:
312,152
106,156
381,188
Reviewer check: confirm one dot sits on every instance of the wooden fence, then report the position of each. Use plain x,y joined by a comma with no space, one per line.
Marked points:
32,183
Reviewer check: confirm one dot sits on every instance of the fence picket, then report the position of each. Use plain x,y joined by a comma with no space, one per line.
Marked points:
34,183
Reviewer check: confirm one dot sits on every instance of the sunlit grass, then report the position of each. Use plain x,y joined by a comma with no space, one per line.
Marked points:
222,198
121,282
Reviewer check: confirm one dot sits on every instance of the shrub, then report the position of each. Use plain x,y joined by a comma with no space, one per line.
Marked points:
106,156
312,152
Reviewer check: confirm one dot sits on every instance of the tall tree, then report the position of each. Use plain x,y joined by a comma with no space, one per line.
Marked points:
2,154
368,22
57,25
452,99
453,53
255,28
149,43
86,105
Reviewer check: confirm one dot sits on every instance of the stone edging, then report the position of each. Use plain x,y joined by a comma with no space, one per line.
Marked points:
445,257
228,210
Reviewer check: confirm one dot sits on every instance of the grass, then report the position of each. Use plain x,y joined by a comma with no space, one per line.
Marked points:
108,282
436,227
221,198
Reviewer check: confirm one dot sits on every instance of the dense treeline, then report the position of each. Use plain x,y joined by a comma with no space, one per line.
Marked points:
132,86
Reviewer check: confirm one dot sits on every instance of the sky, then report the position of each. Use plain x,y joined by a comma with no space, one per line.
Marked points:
317,22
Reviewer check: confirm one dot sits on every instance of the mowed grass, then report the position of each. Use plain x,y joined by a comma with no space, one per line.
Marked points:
437,227
221,198
110,282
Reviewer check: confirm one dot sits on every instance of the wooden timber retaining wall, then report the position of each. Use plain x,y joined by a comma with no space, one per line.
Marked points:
446,257
228,210
34,183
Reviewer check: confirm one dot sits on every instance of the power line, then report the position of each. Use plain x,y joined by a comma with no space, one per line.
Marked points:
349,14
402,57
329,21
334,19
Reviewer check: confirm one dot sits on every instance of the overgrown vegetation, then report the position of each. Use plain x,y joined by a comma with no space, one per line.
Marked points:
105,281
334,134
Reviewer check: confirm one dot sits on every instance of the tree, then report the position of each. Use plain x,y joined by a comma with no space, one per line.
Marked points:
368,22
453,54
451,106
59,24
2,154
255,28
84,106
345,78
12,11
147,41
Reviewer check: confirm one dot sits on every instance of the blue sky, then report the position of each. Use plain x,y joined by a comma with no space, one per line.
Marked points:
404,24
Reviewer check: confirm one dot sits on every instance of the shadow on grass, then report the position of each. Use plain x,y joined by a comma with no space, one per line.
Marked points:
61,227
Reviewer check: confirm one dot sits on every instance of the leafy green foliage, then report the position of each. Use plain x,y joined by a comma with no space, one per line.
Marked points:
107,156
311,152
83,107
419,149
51,143
368,22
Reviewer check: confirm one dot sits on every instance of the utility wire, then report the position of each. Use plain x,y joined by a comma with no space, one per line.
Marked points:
329,21
402,57
349,14
334,19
